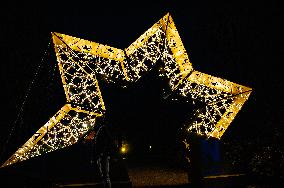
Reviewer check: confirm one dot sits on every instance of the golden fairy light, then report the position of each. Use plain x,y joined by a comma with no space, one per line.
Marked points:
80,61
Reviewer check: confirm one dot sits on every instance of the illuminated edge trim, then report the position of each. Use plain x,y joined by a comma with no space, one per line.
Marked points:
38,135
57,41
224,86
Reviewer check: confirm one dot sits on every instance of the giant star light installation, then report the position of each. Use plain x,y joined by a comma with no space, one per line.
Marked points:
79,62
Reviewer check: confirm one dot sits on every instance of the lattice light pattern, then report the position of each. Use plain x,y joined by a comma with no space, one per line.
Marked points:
221,99
63,129
80,61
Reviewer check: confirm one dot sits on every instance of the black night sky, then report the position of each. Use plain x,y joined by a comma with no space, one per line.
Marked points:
235,41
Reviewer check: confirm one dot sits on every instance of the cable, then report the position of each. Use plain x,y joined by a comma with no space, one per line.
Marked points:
20,113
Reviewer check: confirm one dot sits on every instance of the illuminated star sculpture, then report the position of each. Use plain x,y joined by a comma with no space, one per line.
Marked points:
80,61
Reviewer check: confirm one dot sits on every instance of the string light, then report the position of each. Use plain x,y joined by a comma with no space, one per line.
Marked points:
80,61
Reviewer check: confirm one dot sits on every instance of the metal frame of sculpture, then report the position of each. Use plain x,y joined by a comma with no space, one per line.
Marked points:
79,62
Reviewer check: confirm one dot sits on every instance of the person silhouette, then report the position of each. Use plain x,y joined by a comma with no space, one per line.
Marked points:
103,146
190,146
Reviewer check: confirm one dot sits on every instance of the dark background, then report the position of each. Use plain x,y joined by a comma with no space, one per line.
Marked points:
235,41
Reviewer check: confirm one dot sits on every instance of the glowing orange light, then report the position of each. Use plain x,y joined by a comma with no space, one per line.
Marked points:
123,149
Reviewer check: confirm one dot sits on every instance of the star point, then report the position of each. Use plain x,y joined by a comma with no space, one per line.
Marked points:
80,61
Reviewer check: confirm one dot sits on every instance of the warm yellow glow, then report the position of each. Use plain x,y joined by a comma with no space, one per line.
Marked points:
123,149
55,134
80,61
